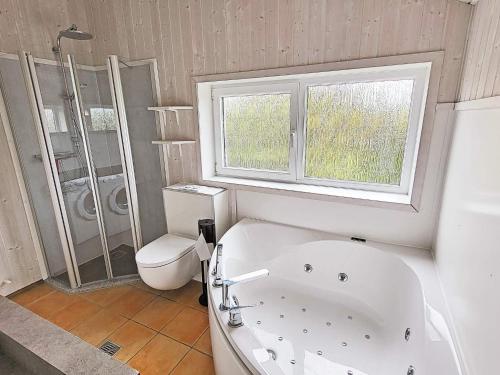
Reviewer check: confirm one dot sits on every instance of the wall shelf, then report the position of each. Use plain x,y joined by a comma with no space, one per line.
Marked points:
162,113
172,108
173,141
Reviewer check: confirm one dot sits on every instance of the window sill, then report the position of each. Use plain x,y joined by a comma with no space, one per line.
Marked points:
327,193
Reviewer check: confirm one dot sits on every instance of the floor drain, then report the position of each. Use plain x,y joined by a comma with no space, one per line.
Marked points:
344,343
109,348
367,337
328,324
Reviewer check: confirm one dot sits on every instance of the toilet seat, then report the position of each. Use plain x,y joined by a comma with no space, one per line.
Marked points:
164,250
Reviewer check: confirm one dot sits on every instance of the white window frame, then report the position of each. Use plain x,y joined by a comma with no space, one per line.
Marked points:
218,93
297,86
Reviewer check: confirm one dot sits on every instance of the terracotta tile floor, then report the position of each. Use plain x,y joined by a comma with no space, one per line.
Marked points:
158,332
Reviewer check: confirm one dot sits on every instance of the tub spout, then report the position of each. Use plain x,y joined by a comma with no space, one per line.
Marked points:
251,276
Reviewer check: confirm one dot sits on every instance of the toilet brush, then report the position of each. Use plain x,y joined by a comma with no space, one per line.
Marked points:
206,227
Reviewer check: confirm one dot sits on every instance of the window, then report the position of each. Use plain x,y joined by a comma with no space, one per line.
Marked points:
56,120
102,118
353,129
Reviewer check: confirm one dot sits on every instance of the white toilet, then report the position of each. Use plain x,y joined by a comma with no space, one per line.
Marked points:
169,262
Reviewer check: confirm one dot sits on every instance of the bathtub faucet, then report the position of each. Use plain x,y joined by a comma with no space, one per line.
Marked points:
235,319
217,271
226,299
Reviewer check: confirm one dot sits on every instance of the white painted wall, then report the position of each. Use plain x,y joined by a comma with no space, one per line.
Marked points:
467,246
380,224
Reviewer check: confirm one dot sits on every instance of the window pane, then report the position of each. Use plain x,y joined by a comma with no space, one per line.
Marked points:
257,131
51,120
357,131
102,118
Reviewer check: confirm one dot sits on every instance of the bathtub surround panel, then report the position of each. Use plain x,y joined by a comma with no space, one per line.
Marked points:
467,245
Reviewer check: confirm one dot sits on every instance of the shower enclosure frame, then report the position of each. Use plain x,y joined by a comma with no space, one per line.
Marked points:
27,62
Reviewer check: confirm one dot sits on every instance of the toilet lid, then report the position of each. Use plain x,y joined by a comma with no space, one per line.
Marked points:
164,250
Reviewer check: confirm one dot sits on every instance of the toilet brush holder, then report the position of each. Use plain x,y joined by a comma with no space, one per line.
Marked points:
207,228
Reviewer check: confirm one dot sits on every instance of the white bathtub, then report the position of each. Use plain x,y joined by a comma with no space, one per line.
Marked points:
386,318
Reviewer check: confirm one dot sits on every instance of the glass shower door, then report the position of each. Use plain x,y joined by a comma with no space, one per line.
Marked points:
71,168
134,89
106,149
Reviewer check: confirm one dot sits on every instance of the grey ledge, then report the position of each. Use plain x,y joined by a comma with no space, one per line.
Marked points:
43,348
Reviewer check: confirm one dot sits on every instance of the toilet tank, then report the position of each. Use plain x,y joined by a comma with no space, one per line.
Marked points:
185,204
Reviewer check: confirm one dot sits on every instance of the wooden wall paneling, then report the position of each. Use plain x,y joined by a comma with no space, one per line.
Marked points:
207,31
493,70
166,70
285,39
411,17
257,34
480,58
232,42
187,52
18,253
8,30
244,37
271,10
481,71
432,25
389,28
455,35
219,30
472,45
335,32
317,22
370,31
122,42
353,11
147,28
494,67
178,53
196,37
300,35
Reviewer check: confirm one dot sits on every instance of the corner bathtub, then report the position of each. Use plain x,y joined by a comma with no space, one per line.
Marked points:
359,310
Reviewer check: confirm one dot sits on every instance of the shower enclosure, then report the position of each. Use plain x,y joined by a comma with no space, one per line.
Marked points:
83,137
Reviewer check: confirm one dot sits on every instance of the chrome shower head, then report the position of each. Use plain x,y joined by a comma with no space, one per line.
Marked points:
72,32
